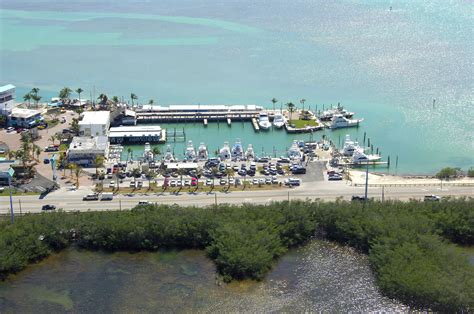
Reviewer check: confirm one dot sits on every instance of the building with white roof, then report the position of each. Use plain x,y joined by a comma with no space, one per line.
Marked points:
94,123
83,150
7,99
25,118
137,134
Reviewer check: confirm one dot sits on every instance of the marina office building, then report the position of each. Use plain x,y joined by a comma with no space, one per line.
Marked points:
24,118
94,123
93,140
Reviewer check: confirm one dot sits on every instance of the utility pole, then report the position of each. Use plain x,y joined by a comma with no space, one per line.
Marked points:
10,175
366,181
383,193
19,204
215,199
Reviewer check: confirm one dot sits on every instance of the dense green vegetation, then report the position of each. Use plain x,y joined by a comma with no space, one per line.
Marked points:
410,245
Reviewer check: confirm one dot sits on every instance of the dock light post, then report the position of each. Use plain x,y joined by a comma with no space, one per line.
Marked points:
10,176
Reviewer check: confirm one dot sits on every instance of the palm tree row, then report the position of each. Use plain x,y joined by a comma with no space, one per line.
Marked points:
33,95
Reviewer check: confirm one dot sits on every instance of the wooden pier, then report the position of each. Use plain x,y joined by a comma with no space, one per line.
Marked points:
255,124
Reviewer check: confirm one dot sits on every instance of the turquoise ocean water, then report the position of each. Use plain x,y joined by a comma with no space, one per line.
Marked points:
386,60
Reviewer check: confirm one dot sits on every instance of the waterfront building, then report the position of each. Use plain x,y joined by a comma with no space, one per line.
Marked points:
7,99
94,123
83,150
129,117
137,134
25,118
4,168
200,108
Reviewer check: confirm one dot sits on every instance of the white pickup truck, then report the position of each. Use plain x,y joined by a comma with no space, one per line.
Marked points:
91,197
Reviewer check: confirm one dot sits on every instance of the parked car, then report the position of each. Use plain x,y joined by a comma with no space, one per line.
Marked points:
91,197
46,161
10,129
48,207
356,198
208,182
223,182
335,177
298,170
143,202
112,184
432,198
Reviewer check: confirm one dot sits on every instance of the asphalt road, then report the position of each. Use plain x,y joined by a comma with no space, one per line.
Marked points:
72,200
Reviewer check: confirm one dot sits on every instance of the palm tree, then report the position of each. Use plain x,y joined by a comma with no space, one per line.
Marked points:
302,101
11,154
71,167
115,99
27,98
291,109
156,151
77,173
214,172
65,93
103,99
230,173
35,90
79,91
53,138
150,102
181,173
36,99
98,162
274,101
150,175
37,151
130,153
133,97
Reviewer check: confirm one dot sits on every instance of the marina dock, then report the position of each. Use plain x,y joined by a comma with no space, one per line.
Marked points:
255,124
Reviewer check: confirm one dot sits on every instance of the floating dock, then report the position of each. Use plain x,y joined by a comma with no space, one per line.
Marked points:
255,124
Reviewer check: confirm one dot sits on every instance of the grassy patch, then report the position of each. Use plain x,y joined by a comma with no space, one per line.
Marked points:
303,123
15,192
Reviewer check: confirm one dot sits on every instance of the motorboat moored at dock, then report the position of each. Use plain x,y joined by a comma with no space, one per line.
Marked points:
250,153
359,157
339,121
263,121
148,153
190,153
224,152
349,146
237,150
294,153
278,120
202,152
168,154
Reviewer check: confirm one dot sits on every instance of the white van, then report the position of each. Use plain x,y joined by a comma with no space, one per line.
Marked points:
292,182
107,196
144,202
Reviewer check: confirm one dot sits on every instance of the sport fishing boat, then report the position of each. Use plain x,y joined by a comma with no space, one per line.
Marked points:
224,152
202,152
147,153
249,153
263,121
349,146
237,150
168,154
327,115
294,153
278,120
359,157
339,121
190,153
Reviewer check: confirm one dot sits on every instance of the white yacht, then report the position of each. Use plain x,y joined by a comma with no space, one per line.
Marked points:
339,121
349,146
224,152
168,154
278,120
237,150
360,157
202,152
147,153
294,153
327,115
190,152
249,153
263,121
